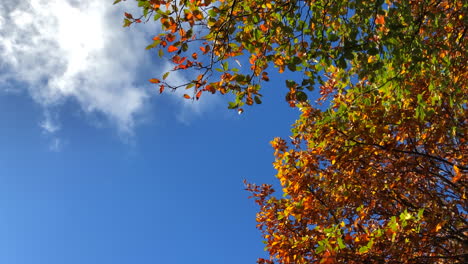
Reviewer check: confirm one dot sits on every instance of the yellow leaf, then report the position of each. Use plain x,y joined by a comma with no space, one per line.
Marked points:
279,61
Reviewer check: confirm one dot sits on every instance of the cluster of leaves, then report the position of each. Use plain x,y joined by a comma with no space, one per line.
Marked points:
380,175
380,187
213,39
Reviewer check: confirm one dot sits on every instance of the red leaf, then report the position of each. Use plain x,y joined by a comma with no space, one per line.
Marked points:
161,89
129,16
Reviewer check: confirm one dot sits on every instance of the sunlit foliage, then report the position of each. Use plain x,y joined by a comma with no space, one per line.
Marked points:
377,174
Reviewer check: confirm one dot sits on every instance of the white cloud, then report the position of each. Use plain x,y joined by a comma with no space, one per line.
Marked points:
56,144
76,50
49,123
62,50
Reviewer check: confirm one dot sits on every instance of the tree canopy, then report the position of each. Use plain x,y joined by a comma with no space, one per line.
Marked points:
378,173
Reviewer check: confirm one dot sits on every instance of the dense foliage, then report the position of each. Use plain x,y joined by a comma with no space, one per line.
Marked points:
379,176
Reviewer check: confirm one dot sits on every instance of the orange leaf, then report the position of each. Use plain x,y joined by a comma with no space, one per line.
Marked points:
182,32
179,60
154,81
458,175
252,59
186,96
279,61
194,56
198,95
210,89
172,48
380,19
198,15
170,37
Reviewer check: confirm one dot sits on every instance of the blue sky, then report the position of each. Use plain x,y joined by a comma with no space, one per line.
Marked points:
95,167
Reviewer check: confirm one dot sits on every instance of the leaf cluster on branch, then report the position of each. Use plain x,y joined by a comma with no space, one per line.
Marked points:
379,175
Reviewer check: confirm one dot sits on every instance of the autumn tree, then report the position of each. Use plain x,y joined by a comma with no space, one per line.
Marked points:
376,169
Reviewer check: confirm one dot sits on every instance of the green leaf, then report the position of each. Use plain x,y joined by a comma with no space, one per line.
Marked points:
301,96
363,249
405,215
151,46
116,1
232,105
257,99
127,23
373,51
290,83
292,67
341,245
225,66
341,63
